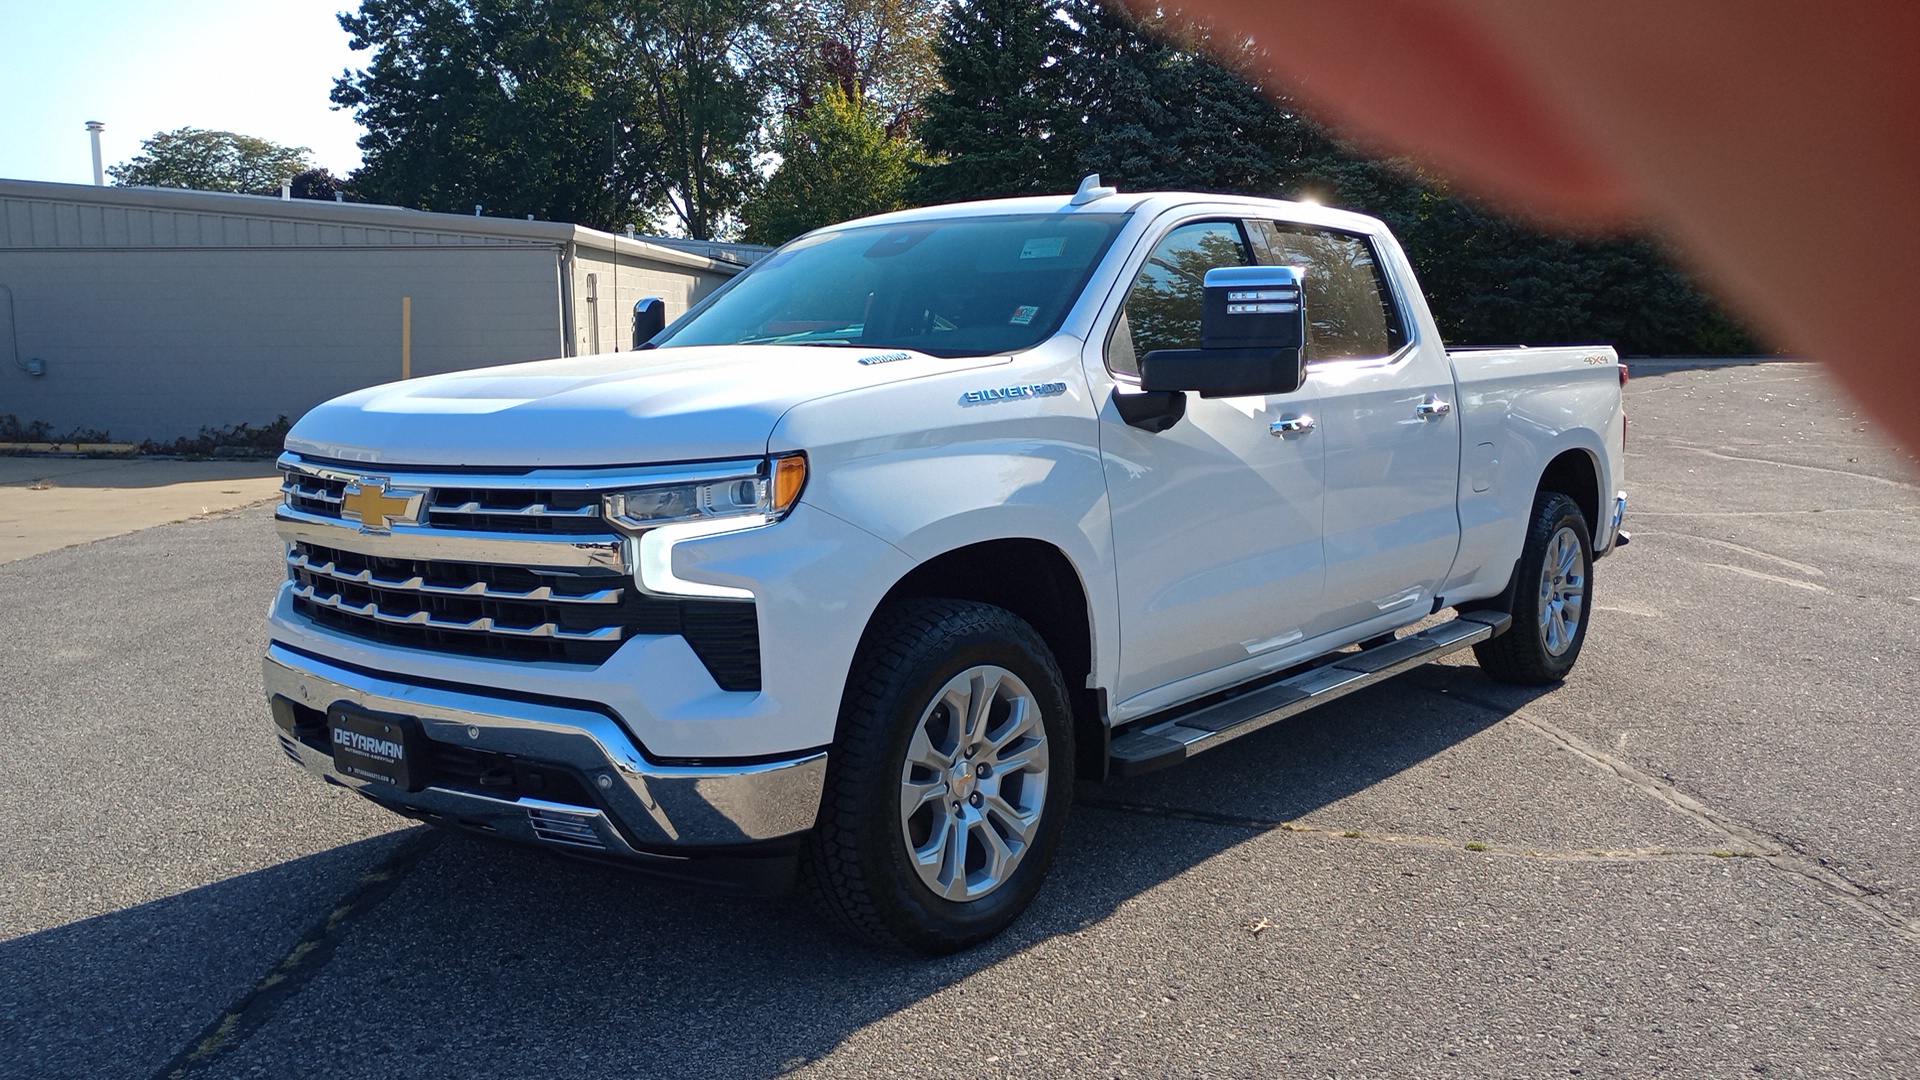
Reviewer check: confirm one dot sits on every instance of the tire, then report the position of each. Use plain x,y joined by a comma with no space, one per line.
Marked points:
1552,598
920,845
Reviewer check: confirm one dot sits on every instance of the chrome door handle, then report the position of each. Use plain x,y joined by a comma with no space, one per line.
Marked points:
1432,407
1293,425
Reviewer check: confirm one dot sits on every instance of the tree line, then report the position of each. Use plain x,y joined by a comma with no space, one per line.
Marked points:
761,119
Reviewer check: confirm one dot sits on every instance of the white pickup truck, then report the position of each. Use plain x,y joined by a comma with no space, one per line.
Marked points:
864,561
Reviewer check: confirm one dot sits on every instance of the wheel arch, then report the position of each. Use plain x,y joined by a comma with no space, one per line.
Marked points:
1036,581
1575,473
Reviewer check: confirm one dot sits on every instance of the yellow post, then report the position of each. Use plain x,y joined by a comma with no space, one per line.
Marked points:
406,337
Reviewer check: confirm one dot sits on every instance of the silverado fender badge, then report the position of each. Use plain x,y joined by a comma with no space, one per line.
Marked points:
376,507
1012,393
885,358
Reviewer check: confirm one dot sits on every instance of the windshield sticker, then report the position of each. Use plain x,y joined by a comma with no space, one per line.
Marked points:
886,358
1045,247
1013,393
1023,315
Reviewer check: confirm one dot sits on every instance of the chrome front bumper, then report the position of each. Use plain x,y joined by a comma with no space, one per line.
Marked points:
644,811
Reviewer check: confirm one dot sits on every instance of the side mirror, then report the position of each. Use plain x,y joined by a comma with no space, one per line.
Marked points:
649,318
1253,335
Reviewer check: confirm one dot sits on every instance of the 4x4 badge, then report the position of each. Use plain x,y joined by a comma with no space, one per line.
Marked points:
376,507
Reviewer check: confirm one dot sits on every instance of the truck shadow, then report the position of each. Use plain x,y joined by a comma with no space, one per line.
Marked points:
496,962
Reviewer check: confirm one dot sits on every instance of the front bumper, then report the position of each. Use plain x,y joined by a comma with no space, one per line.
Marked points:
614,802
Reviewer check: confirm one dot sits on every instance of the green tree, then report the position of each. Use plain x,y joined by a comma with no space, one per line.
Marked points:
699,103
603,112
879,52
211,161
1157,103
837,162
510,104
995,126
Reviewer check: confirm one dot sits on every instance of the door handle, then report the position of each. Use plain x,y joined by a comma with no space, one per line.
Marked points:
1292,425
1432,407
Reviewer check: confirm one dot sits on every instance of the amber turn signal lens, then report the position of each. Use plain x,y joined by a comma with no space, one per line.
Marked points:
789,476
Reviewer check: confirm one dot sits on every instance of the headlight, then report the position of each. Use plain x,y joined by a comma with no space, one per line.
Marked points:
663,515
765,492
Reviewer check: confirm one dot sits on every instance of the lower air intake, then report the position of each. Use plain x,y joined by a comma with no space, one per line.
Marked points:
571,830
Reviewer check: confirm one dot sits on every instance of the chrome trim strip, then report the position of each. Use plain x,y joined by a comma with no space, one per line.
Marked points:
483,625
320,495
549,479
532,551
658,804
530,510
297,560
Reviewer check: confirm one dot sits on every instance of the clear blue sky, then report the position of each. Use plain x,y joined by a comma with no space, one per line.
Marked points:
258,67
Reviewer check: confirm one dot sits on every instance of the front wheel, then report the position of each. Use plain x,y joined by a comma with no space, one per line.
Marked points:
949,782
1551,597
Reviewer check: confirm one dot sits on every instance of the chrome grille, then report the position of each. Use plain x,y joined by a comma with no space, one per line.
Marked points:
514,566
467,509
331,569
313,494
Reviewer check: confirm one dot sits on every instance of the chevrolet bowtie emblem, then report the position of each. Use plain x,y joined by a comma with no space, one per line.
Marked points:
376,507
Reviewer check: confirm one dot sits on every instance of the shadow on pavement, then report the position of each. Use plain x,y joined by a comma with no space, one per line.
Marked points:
492,961
117,994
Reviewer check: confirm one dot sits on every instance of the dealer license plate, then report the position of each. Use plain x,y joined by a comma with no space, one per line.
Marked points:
372,746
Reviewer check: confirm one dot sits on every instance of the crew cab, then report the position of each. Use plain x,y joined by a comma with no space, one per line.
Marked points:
856,568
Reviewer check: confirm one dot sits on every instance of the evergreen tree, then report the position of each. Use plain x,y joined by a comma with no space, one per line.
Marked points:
993,127
837,162
1157,104
1151,102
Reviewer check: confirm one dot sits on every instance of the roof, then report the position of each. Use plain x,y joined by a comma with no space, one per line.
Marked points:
36,214
1148,202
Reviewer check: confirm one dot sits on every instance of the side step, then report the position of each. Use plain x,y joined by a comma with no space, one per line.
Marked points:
1158,744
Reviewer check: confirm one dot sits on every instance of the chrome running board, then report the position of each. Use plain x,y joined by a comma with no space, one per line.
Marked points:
1157,744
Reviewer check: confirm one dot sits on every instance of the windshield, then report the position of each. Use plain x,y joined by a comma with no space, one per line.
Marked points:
960,287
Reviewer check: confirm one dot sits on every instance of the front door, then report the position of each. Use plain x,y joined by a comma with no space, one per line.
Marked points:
1216,520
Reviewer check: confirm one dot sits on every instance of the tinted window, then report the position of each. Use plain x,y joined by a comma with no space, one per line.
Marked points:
1163,307
1350,309
959,287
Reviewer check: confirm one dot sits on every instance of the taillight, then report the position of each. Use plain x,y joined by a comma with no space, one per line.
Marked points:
1623,374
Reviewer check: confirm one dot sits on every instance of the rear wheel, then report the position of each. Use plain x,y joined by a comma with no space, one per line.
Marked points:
948,785
1551,598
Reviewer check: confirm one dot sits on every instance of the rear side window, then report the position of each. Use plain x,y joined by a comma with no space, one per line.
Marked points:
1351,313
1163,306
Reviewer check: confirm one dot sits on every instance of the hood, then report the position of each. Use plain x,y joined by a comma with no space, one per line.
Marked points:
661,405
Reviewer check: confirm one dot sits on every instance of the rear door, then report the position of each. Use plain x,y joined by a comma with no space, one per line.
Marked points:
1216,520
1387,421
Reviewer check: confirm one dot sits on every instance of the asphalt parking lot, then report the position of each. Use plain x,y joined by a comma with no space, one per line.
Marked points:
1698,857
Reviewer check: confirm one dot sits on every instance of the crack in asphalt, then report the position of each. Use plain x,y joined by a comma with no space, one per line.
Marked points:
1869,477
1775,851
1743,841
303,962
1207,817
